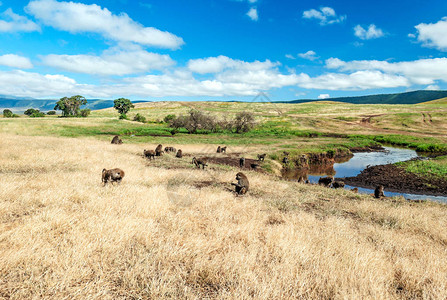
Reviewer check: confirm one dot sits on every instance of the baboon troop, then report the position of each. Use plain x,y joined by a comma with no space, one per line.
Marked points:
159,150
338,184
242,184
200,161
112,175
242,162
179,153
326,181
170,149
261,157
378,192
149,154
116,140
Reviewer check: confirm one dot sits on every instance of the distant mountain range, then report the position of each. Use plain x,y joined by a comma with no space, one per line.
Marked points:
400,98
19,105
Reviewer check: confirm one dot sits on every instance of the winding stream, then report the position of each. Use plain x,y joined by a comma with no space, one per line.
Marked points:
357,164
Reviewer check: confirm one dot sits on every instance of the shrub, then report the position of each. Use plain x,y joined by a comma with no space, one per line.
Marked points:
123,117
7,113
169,118
244,122
139,118
31,111
37,114
84,112
51,113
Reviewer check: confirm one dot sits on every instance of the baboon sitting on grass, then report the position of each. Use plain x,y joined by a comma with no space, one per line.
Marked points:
116,140
378,192
242,184
242,162
179,153
159,150
112,175
261,157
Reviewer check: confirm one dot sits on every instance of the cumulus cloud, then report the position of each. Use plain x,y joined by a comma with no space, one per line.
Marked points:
253,14
432,87
433,35
15,61
324,96
326,16
309,55
82,18
221,63
12,22
290,56
112,62
367,34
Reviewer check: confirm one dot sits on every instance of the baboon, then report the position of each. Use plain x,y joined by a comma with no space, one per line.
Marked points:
326,181
159,150
242,184
285,160
261,157
223,149
378,192
179,153
149,154
302,179
355,190
112,175
219,150
116,140
254,166
286,153
167,149
170,149
242,162
338,184
200,161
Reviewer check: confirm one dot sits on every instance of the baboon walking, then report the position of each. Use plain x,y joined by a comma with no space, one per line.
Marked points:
218,149
261,157
179,153
242,184
159,150
242,162
378,192
149,154
200,161
112,175
116,140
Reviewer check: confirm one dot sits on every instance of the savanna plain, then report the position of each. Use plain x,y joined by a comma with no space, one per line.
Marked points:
170,230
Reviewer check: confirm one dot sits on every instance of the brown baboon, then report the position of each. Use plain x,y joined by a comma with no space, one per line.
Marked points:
170,149
200,161
159,150
112,175
242,184
261,157
326,181
219,150
167,149
223,149
338,184
285,160
149,154
179,153
355,190
378,192
116,140
241,162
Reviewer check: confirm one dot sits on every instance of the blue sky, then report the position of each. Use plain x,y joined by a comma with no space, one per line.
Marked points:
221,50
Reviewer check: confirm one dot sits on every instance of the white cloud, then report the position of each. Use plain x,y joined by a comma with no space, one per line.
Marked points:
221,63
12,22
367,34
422,71
324,96
432,87
15,61
253,14
309,55
326,15
290,56
112,62
433,35
80,18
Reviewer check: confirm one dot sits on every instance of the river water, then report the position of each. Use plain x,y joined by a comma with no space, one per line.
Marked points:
357,164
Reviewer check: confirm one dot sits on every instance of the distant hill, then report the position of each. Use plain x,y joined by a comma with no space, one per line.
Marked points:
19,105
400,98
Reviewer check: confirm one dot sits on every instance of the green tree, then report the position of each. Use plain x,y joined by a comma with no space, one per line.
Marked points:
244,122
85,112
31,111
123,105
7,113
70,106
139,118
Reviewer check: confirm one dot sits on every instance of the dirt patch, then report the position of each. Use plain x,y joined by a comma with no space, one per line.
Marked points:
396,179
234,162
372,148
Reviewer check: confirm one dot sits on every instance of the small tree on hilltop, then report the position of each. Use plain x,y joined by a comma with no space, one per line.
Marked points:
70,107
123,105
244,122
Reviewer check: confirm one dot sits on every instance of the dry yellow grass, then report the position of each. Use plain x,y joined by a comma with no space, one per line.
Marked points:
157,235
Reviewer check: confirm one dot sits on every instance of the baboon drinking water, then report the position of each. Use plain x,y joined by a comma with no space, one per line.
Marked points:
116,140
112,175
326,181
179,153
159,150
242,162
200,161
261,157
242,184
378,192
149,154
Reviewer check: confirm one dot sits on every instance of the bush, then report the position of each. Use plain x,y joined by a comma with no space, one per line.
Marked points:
169,118
139,118
84,112
31,111
7,113
51,113
123,117
244,122
37,114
